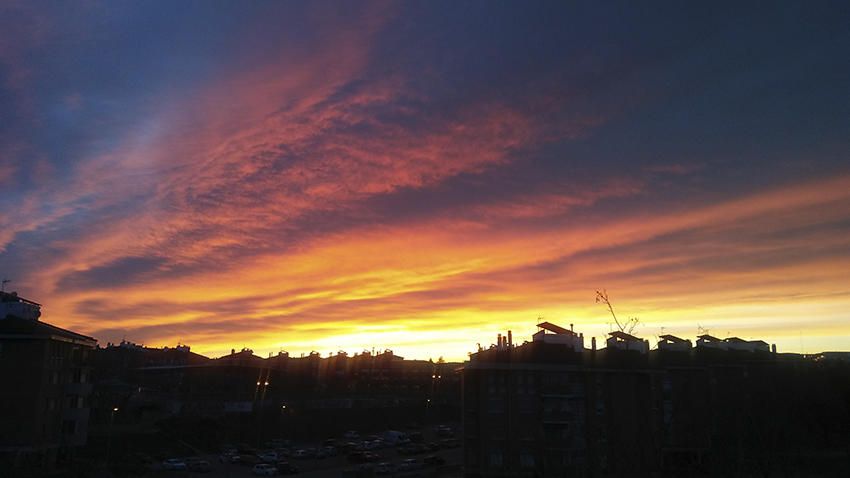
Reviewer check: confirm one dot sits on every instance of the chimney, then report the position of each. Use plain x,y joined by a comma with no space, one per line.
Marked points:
232,351
510,338
773,348
571,328
593,343
499,341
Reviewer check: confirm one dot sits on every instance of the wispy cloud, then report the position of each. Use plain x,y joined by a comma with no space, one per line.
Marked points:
300,181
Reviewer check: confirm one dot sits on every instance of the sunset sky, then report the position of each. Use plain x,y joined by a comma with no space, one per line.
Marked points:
421,176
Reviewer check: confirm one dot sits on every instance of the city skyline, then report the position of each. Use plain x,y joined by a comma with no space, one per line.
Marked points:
418,176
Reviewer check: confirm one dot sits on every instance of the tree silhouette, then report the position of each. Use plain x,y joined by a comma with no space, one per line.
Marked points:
629,325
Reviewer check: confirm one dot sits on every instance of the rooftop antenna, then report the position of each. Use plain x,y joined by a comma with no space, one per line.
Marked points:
3,285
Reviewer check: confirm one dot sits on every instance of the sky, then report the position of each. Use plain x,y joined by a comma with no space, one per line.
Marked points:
420,176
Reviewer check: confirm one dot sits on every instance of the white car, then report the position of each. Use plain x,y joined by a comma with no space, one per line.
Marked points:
409,465
174,464
264,470
269,456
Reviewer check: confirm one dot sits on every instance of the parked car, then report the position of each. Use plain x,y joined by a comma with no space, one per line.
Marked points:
357,457
249,460
363,457
372,457
198,466
445,431
348,446
432,446
351,435
412,449
174,464
409,464
264,469
450,443
394,438
370,444
268,457
286,468
283,452
229,458
384,468
434,461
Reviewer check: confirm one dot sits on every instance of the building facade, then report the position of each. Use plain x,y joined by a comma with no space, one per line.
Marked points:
45,402
551,408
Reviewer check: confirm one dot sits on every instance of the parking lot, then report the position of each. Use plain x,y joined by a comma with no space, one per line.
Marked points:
431,451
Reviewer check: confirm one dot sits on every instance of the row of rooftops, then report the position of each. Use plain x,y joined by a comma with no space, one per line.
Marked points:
554,334
14,306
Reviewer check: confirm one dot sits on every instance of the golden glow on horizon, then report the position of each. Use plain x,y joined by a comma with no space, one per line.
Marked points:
440,289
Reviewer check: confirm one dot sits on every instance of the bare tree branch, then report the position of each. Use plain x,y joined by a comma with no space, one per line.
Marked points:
629,325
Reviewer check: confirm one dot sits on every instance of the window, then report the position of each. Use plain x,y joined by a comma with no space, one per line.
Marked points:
527,405
69,427
496,405
495,458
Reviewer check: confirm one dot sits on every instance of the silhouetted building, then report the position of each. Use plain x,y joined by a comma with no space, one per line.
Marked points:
550,408
45,395
242,384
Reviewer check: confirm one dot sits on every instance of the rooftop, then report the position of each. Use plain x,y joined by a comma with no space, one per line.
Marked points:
15,327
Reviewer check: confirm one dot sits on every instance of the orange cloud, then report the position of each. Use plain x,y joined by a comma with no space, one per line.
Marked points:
455,284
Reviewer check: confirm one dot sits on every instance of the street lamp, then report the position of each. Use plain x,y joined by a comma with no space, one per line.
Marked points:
109,433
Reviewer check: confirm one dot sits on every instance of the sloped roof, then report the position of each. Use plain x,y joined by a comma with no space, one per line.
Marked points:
554,328
709,338
17,327
623,335
673,338
14,297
